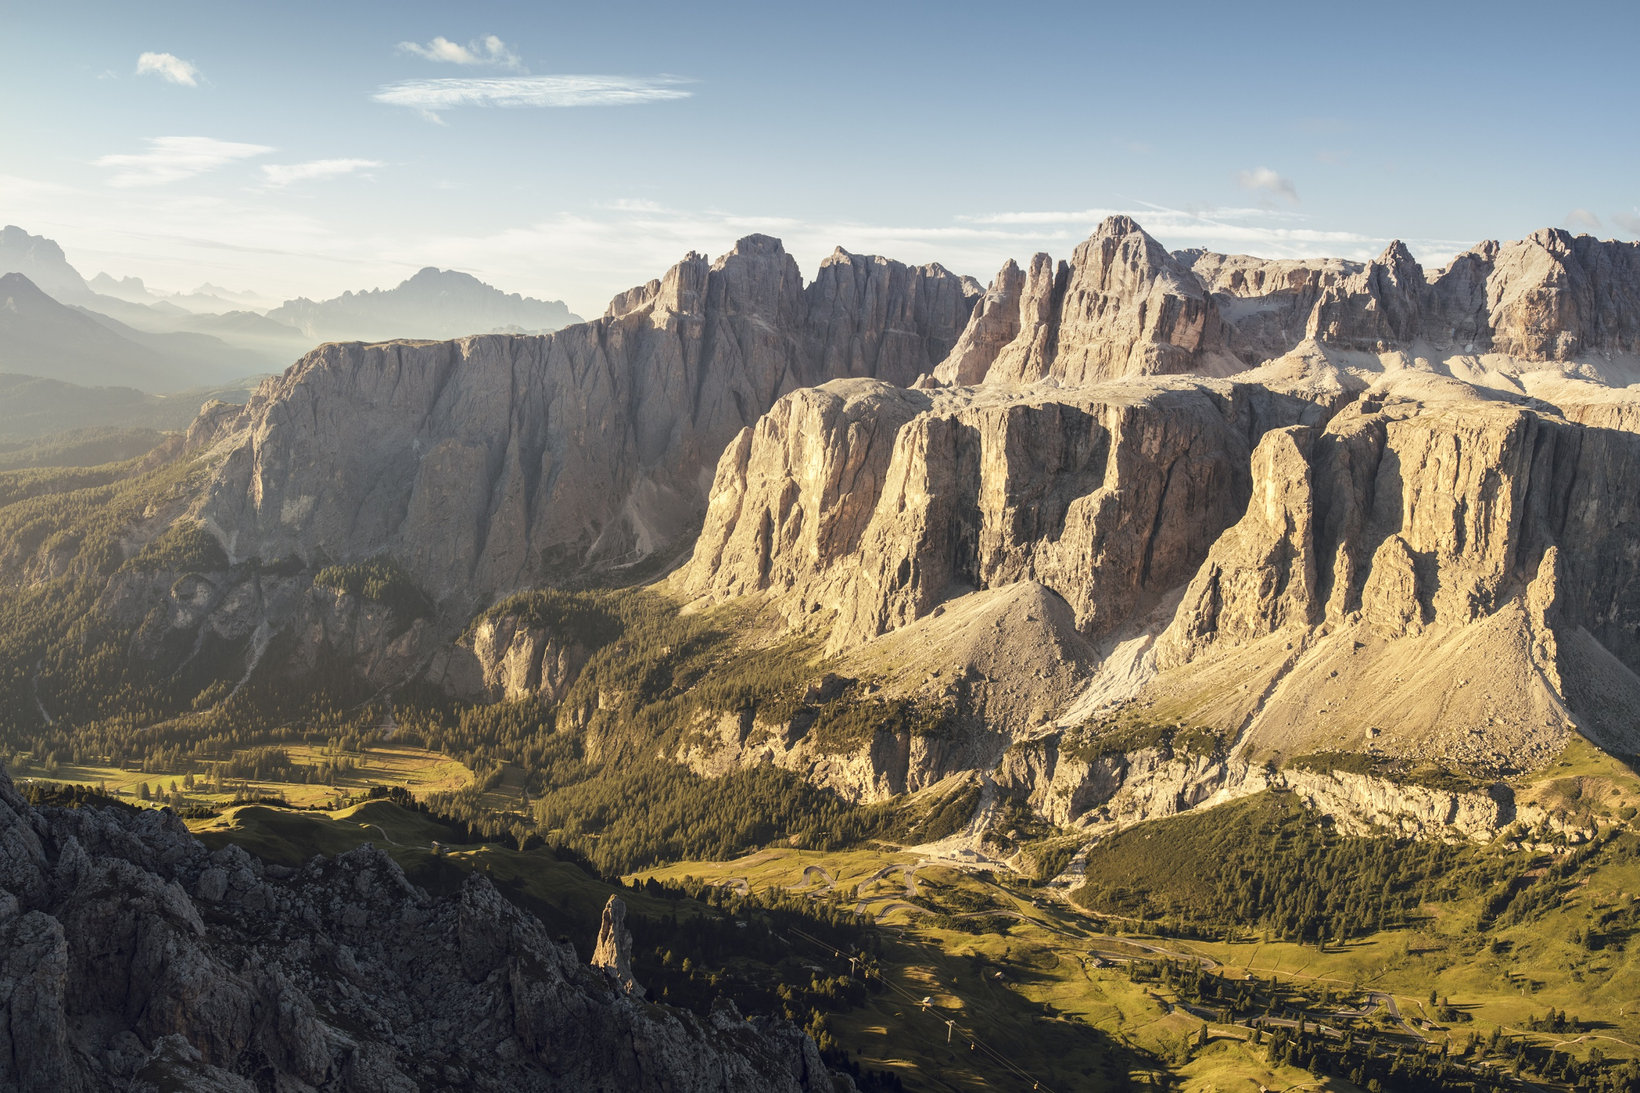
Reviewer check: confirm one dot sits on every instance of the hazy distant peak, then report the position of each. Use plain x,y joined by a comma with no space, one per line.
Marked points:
129,289
13,238
432,303
17,284
41,260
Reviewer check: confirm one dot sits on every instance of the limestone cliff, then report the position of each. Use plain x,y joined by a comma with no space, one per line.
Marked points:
1415,556
869,505
1122,306
490,463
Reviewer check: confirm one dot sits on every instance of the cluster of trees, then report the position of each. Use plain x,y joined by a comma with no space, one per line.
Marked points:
1103,739
1271,864
1556,1021
379,580
1526,895
762,950
1383,1063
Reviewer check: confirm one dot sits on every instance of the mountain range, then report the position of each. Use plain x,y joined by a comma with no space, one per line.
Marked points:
1311,480
995,579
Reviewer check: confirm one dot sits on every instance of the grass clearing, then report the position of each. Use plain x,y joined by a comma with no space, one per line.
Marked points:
416,769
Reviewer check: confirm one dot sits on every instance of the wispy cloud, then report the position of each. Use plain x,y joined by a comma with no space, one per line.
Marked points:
168,66
488,50
431,96
283,174
632,205
1279,233
288,248
171,159
1263,179
1629,222
1266,232
1582,220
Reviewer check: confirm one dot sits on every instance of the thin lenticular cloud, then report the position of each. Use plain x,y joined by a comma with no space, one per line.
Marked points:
171,159
431,96
170,67
1279,234
283,174
488,50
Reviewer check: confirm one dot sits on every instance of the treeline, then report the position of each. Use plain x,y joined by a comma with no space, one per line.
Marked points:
1271,864
598,769
1380,1064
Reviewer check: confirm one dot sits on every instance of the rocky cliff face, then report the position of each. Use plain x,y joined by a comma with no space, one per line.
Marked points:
1364,546
1308,570
1550,296
134,958
226,621
492,463
505,658
871,505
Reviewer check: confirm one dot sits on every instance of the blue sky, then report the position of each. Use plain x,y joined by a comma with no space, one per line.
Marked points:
306,148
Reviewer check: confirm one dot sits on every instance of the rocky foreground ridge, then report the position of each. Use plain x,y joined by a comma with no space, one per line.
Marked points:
131,957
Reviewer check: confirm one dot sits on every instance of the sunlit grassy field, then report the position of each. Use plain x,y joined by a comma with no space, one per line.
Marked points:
420,771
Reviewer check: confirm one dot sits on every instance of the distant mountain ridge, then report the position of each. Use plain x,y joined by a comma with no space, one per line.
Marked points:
41,337
116,332
437,304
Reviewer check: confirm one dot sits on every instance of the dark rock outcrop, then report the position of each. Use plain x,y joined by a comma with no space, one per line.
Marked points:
131,957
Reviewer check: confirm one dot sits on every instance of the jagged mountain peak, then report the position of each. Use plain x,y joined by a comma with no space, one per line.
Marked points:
1118,226
1553,240
432,275
755,244
1398,256
13,238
